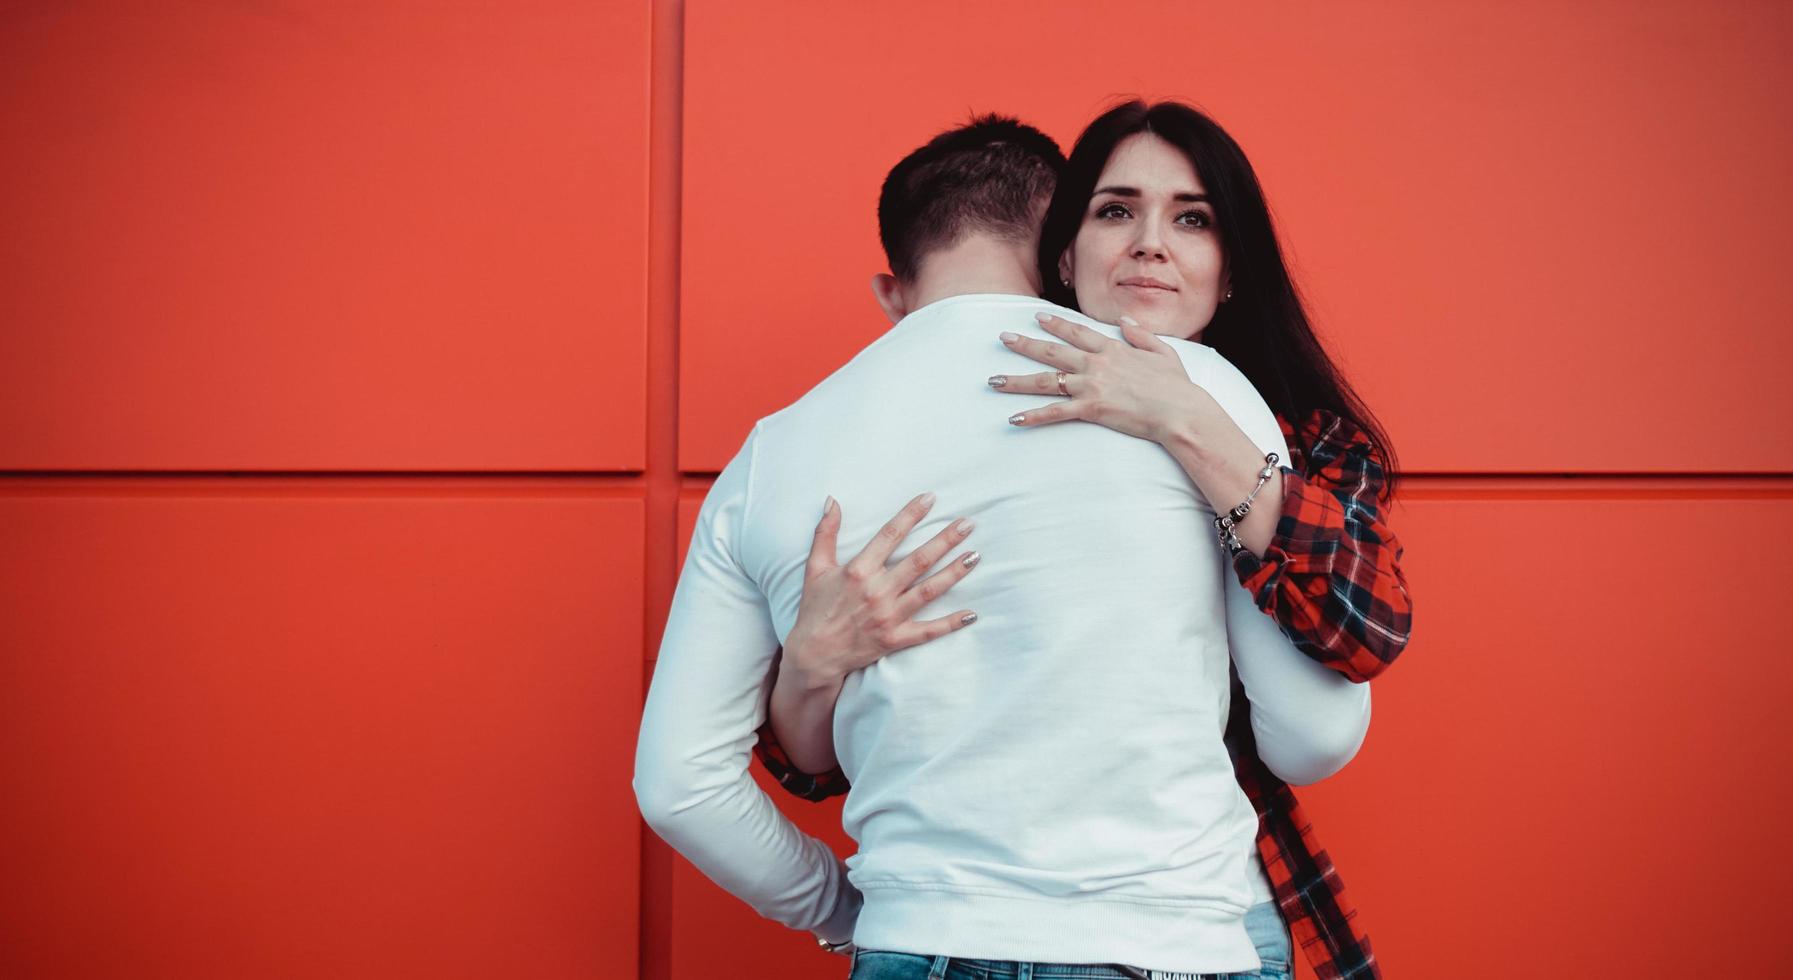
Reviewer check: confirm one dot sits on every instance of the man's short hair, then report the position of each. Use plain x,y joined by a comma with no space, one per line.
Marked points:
992,175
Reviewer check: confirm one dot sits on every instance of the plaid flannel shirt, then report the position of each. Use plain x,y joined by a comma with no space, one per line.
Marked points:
1331,578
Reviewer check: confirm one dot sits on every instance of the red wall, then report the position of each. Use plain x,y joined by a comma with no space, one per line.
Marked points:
362,370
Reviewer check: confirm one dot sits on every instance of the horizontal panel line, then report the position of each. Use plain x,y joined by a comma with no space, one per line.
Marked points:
1422,477
584,475
1532,479
1563,486
1419,486
300,483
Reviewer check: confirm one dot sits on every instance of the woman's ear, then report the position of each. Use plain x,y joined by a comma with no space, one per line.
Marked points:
1064,268
889,293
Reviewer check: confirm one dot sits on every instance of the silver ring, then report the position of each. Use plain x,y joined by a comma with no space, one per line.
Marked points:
1061,385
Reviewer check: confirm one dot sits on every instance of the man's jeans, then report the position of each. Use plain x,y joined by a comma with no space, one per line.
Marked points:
1263,922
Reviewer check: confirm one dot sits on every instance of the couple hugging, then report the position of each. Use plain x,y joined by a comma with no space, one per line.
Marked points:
1076,759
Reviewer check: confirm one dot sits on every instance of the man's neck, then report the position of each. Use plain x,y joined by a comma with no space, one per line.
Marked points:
975,265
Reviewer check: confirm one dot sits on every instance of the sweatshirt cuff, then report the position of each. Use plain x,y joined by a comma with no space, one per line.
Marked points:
838,927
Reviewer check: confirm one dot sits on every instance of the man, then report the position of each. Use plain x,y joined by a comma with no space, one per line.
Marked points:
991,820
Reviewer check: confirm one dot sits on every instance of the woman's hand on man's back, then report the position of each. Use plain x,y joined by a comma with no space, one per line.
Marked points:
852,615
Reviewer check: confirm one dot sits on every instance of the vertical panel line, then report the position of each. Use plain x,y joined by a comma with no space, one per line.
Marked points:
661,493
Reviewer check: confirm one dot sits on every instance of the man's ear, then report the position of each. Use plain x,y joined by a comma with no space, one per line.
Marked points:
889,294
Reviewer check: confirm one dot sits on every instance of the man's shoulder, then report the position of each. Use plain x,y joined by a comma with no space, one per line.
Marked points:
973,308
965,302
910,342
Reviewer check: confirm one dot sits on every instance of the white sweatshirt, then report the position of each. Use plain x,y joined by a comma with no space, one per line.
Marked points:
1048,784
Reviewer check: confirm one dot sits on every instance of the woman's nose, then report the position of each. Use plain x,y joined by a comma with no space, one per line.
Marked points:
1146,243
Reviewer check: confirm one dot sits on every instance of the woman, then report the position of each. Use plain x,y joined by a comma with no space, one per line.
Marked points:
1158,223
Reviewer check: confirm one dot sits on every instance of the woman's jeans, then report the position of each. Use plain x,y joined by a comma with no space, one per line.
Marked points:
1266,927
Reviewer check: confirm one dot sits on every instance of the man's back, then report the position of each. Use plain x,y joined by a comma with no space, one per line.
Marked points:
1049,784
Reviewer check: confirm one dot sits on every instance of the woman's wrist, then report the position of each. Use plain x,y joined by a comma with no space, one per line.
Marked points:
1183,429
1223,463
802,719
807,673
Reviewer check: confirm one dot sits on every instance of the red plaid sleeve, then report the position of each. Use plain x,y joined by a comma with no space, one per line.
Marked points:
1331,577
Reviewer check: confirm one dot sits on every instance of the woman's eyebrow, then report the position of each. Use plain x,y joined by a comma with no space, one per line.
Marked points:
1119,191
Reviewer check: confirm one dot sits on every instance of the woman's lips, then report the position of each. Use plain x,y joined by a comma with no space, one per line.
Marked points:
1148,291
1148,284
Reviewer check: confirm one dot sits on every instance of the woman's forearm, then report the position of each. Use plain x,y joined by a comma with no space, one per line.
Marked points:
1225,468
802,713
1331,576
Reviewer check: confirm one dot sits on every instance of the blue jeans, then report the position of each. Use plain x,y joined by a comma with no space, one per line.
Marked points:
1262,922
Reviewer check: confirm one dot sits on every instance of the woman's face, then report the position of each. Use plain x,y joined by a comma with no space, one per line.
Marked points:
1148,247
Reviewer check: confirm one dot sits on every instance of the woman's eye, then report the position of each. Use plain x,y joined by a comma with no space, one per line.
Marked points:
1111,210
1195,219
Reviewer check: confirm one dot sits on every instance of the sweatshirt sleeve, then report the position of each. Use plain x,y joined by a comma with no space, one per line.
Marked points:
1331,577
1308,721
708,694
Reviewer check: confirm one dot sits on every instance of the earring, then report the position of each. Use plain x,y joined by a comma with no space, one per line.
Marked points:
1067,282
1229,294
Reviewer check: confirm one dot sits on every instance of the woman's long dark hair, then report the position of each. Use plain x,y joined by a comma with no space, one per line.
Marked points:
1263,330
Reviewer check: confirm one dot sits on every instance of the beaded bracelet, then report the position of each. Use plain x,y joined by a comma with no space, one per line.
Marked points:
1225,523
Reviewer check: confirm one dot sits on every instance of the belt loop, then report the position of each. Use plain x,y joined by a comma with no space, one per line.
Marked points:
938,971
1024,972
